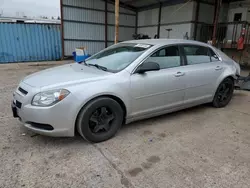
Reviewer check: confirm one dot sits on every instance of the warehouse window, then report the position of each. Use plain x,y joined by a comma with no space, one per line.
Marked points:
237,17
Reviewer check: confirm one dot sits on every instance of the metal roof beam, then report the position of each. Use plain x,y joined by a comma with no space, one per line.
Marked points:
131,1
156,5
124,5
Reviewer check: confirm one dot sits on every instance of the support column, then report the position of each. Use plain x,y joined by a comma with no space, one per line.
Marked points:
106,23
136,23
62,28
159,21
117,2
196,18
219,2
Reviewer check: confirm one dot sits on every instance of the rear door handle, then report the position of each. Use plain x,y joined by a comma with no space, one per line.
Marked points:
179,74
218,68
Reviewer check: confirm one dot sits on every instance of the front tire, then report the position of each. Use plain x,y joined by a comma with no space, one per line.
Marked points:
224,93
100,119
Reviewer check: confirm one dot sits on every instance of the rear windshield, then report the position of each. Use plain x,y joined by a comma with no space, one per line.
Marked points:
119,56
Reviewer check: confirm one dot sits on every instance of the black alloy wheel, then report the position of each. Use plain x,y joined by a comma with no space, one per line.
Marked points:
224,93
100,119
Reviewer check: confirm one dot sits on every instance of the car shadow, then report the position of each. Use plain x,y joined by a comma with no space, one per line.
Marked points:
77,139
165,117
63,141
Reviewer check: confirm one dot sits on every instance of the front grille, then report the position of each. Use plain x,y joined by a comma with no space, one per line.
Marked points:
22,91
41,126
18,104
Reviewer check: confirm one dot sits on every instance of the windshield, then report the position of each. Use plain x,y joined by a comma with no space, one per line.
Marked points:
118,57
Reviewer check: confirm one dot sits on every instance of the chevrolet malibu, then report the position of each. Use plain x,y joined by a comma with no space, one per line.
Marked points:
126,82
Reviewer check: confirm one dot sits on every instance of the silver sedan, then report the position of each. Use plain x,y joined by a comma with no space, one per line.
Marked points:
126,82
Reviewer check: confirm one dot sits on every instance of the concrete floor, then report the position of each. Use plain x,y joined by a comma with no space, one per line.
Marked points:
198,147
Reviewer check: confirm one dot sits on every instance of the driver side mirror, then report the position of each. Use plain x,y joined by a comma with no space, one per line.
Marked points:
149,66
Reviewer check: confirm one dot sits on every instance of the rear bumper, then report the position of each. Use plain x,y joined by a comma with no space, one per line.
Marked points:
243,83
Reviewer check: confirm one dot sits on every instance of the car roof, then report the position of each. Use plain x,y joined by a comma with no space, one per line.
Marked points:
165,41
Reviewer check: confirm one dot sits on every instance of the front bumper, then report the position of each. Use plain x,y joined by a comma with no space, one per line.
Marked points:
44,123
57,120
14,110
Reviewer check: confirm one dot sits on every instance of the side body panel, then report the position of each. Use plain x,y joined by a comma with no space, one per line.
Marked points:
156,91
200,81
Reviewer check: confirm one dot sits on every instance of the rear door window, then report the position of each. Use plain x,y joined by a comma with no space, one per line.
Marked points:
196,54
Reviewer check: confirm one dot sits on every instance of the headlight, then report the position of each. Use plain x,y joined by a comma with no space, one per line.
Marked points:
49,98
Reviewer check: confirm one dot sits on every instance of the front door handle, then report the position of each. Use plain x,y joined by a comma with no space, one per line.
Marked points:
179,74
218,68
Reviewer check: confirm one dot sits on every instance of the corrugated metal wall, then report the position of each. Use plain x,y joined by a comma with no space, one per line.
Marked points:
178,31
84,25
151,31
177,13
147,22
206,13
21,42
176,17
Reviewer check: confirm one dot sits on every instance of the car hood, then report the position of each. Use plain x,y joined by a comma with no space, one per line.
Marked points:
68,74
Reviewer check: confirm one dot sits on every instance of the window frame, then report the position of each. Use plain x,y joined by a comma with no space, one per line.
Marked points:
219,59
182,58
197,45
237,14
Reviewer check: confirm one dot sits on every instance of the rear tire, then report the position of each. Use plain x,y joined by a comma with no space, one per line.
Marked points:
224,93
100,119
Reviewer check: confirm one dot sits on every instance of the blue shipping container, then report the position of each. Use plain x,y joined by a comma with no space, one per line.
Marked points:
21,42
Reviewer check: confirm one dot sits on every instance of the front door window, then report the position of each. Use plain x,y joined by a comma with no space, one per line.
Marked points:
167,57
